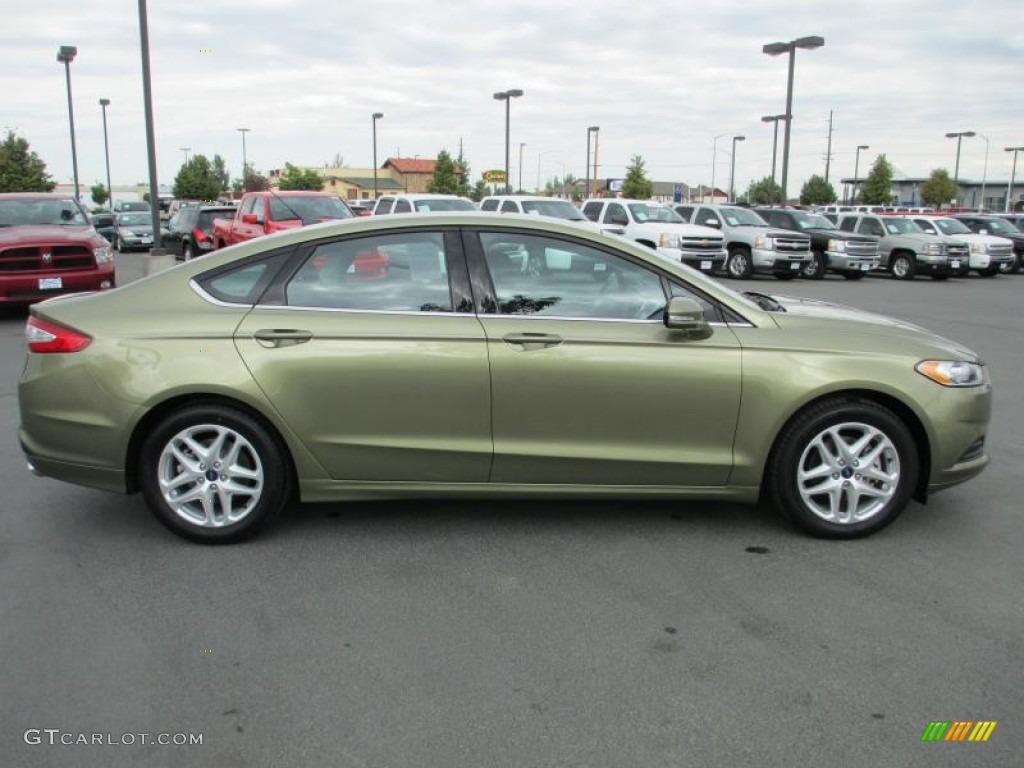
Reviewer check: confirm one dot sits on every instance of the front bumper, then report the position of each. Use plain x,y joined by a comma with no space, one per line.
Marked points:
702,262
846,262
935,265
960,419
773,261
28,287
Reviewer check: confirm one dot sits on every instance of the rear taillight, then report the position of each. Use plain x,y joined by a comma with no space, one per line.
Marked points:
199,235
45,337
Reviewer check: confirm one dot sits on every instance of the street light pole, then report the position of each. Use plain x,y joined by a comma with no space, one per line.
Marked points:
66,55
104,103
856,171
586,166
775,139
147,98
186,150
774,49
375,117
732,168
507,97
956,169
714,163
984,172
1013,175
597,135
521,145
245,163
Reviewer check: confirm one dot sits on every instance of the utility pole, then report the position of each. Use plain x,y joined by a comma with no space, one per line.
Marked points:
828,152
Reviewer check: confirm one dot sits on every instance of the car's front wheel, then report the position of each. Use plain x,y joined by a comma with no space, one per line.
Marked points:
903,266
213,474
738,264
815,268
843,468
187,252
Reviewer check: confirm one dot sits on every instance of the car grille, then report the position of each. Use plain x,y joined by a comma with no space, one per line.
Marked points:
861,248
46,258
1003,251
792,244
700,244
957,251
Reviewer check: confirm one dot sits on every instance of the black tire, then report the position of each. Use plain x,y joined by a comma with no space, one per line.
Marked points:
259,452
815,268
903,266
186,252
989,271
796,448
738,264
1014,266
850,275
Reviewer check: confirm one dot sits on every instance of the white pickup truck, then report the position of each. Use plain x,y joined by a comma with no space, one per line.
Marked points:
660,228
987,254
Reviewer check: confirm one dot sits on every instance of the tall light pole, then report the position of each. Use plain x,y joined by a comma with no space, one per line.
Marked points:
714,163
104,103
521,145
147,99
245,163
66,54
856,171
775,49
507,96
984,172
586,189
732,168
186,150
956,169
375,117
1013,174
597,135
775,140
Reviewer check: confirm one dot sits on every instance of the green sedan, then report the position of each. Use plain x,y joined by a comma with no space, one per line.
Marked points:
487,355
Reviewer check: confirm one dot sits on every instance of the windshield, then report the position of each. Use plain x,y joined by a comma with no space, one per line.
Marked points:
445,204
1000,226
741,217
644,212
951,227
308,208
817,221
898,226
134,206
135,220
41,211
559,209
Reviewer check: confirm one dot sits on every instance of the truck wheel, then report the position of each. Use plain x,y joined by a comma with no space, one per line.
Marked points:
738,264
989,271
1012,267
188,252
903,266
815,268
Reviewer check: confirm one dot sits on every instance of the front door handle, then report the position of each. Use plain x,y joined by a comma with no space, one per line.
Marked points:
529,341
281,337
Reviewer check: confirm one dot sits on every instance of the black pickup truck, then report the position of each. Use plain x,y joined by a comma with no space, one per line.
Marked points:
852,256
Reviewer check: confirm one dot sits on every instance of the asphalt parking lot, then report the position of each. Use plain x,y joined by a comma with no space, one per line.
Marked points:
527,634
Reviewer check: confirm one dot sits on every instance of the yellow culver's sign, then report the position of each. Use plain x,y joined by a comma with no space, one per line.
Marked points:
494,177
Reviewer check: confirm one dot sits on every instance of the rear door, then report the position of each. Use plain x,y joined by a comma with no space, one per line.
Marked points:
370,351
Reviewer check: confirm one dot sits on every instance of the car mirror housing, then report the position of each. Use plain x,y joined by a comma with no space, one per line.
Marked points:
684,314
249,218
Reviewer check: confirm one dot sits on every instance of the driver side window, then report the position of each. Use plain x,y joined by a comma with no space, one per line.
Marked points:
540,275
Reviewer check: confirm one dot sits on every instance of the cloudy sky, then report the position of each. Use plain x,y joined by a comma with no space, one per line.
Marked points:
661,79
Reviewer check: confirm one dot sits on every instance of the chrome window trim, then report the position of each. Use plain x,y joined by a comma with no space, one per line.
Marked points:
205,296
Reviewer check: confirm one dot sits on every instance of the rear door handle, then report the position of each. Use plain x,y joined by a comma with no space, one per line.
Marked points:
530,341
281,337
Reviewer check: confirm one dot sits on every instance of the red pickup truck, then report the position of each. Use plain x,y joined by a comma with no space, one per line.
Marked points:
263,213
48,247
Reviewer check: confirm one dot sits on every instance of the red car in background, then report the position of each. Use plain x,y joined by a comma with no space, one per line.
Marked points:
263,213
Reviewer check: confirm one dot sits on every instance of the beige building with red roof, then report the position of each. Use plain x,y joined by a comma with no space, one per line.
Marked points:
396,174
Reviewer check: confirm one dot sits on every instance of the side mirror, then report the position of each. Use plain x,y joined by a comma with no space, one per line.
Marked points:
685,314
248,218
982,231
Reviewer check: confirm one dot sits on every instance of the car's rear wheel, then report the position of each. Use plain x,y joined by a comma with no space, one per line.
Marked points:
738,264
213,474
903,266
188,252
815,268
843,468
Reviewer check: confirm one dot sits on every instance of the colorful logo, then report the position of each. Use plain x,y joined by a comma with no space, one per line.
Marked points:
958,730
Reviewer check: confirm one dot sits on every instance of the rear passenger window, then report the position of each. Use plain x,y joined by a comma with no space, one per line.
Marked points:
402,206
592,210
398,273
384,205
489,205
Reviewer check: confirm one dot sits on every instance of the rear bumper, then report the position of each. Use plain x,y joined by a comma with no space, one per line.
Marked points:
24,288
103,478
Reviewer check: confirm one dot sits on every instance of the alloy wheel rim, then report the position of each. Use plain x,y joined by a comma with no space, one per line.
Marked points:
210,476
738,264
848,473
900,267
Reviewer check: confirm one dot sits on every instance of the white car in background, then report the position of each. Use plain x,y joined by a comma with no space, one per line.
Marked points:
421,202
988,254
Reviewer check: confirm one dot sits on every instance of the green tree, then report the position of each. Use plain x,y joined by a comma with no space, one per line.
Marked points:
817,191
636,184
877,187
99,193
764,192
462,171
21,170
220,168
252,181
938,189
197,180
300,178
479,192
444,181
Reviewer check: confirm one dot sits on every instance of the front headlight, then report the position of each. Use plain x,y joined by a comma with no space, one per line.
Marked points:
837,245
936,249
764,243
102,255
979,248
952,373
668,240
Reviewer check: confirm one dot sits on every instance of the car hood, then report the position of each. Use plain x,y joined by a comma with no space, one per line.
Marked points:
838,234
841,323
25,234
689,230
